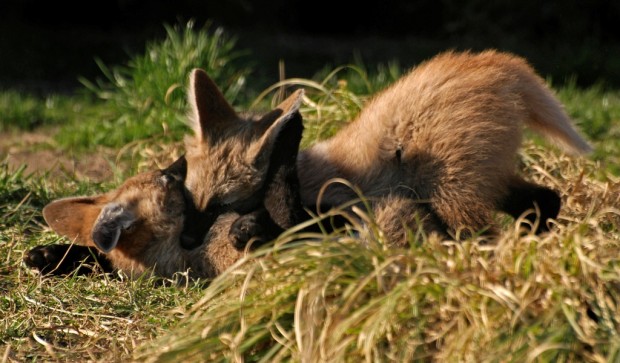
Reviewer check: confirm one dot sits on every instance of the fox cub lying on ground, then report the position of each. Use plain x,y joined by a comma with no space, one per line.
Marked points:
150,224
438,146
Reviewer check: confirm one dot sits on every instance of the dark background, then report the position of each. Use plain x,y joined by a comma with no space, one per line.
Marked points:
46,45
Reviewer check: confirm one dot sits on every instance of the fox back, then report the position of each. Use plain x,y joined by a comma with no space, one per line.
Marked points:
447,135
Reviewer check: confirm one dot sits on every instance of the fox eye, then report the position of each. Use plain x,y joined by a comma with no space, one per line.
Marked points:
130,228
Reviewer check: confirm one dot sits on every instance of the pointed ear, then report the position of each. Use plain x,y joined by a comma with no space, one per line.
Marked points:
178,169
74,217
275,121
210,111
112,220
283,111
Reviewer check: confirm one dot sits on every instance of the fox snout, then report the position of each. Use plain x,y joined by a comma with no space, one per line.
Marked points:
113,219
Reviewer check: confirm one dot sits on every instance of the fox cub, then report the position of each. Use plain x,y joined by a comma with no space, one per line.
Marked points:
151,224
439,145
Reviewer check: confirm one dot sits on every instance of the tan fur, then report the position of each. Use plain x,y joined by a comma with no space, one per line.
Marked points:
457,120
446,134
152,243
444,137
398,217
235,147
228,155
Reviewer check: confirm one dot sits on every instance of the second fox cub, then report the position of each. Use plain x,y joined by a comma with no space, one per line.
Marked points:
439,144
150,224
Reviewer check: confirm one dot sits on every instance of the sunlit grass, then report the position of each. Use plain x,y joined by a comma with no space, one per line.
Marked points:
597,111
21,111
523,298
146,97
74,318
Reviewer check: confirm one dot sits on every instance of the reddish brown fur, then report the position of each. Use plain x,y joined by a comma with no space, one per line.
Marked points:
446,134
152,243
457,122
237,150
228,156
443,138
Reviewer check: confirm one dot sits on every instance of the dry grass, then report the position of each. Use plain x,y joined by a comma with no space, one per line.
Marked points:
344,298
78,318
523,298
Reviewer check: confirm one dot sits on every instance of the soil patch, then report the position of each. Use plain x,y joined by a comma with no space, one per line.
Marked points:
36,151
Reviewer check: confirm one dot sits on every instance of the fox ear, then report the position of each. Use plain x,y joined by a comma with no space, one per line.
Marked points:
283,112
74,217
210,111
108,227
275,122
177,169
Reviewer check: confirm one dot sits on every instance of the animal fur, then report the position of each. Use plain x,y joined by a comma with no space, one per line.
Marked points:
146,225
438,146
445,135
138,226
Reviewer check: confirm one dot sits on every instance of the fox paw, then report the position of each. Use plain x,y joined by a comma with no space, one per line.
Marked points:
45,258
245,229
63,259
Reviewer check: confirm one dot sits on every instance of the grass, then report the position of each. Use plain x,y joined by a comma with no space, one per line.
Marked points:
144,98
597,111
523,299
75,317
26,112
147,95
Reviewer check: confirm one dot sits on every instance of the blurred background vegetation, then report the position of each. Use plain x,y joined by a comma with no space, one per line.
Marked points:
47,45
112,73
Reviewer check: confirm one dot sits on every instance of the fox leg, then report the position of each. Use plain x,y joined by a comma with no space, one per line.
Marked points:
260,227
459,197
523,196
64,259
464,215
399,216
257,226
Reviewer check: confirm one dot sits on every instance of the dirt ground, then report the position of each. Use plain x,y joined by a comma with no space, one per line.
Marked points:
36,151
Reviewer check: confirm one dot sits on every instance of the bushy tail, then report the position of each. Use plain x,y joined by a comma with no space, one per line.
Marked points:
547,115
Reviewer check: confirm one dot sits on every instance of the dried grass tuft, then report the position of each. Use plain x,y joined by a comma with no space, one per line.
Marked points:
523,298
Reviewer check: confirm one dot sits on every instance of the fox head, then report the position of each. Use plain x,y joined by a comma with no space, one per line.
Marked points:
151,214
137,220
228,155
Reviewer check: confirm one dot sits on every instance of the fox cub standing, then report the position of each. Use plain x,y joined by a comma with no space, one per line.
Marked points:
440,144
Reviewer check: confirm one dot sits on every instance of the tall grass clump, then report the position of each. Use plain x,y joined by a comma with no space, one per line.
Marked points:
349,298
146,97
